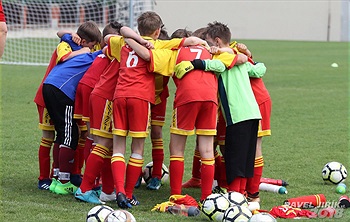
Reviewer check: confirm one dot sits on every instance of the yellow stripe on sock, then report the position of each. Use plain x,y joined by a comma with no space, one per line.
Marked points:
259,162
177,158
117,158
208,161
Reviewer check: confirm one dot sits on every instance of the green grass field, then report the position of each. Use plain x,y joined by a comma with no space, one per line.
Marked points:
309,128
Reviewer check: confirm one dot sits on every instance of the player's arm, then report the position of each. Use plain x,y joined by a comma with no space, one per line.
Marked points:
192,40
127,32
256,70
140,50
220,52
244,49
74,36
184,67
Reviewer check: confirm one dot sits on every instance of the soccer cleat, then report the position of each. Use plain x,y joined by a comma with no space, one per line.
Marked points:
108,197
154,184
65,188
44,184
97,190
76,179
134,201
53,185
89,196
192,183
138,183
219,190
122,201
253,197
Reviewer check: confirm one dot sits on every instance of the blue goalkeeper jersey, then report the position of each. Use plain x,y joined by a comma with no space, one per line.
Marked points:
66,75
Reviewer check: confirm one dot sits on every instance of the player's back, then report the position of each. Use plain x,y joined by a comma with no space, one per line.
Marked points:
197,85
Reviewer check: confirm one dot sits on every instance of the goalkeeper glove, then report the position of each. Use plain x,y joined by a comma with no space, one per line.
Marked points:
186,66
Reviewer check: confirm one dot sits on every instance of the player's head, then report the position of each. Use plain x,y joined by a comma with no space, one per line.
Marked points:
110,28
163,34
200,33
89,33
181,33
218,34
149,24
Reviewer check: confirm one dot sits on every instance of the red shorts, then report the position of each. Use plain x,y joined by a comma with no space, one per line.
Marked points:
195,115
45,122
158,113
100,116
221,129
131,117
81,104
264,123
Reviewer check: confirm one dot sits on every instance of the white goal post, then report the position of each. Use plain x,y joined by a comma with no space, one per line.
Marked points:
33,24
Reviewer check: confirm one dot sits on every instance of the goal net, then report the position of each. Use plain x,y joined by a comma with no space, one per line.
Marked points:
33,24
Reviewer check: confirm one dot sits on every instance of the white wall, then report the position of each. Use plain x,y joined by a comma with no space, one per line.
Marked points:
261,19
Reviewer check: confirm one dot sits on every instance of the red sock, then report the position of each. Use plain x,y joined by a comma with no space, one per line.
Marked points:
217,165
107,176
77,157
222,182
254,182
44,158
66,159
207,169
243,185
56,162
118,170
93,167
133,172
88,148
157,157
176,171
196,165
235,185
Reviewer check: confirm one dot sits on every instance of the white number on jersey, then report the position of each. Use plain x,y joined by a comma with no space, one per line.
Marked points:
132,58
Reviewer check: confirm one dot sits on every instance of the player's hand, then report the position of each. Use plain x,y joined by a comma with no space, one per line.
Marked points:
214,50
241,47
182,68
76,38
147,44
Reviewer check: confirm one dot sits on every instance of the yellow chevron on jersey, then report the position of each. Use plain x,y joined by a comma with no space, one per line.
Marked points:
228,59
63,49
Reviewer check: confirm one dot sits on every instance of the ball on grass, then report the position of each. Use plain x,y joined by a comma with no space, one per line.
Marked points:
341,188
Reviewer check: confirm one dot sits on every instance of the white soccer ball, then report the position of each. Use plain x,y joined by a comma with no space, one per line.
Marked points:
236,198
120,216
334,172
98,213
214,206
147,173
237,213
262,217
129,216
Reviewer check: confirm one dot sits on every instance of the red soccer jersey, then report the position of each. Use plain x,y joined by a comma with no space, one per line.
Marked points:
196,85
135,77
260,92
39,99
92,75
2,14
108,80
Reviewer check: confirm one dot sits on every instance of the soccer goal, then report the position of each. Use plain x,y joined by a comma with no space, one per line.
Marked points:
33,24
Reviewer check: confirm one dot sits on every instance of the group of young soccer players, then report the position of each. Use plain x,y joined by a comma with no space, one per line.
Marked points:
93,96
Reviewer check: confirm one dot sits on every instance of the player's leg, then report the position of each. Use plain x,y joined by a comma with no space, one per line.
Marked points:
157,122
206,130
60,108
195,180
182,125
139,112
264,130
47,139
